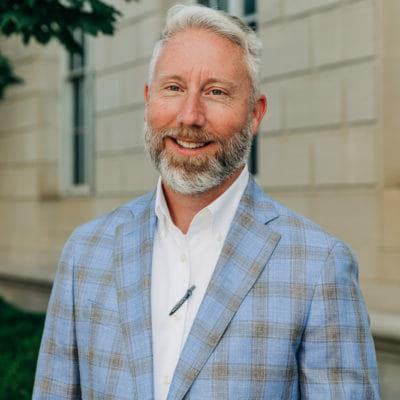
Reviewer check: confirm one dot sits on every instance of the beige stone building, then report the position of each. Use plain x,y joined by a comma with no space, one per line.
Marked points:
71,143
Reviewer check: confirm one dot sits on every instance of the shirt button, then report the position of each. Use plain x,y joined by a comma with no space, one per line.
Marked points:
166,380
219,237
183,258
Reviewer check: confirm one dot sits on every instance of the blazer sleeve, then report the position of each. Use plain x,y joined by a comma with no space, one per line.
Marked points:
57,372
337,356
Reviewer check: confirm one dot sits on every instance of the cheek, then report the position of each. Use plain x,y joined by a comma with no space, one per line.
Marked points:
161,114
226,121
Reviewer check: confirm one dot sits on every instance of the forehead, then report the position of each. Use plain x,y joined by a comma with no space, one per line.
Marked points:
202,51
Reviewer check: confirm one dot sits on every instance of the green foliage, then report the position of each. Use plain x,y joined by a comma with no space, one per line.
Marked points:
44,20
20,335
7,76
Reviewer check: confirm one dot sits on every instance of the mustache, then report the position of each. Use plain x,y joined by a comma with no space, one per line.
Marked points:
185,133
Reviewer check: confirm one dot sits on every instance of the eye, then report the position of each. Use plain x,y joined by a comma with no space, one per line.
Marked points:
173,88
217,92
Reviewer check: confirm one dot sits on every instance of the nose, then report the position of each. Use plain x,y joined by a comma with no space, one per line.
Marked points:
191,112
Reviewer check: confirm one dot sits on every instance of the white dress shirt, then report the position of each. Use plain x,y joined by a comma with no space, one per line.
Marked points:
180,261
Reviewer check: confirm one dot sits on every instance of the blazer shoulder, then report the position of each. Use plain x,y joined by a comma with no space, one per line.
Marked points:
298,228
319,252
106,224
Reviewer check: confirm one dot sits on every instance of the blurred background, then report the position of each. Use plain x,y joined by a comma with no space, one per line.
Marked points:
71,143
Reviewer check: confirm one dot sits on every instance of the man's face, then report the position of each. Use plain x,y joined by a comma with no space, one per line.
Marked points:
199,118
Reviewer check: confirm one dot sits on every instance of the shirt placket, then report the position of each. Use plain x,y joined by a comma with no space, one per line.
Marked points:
178,289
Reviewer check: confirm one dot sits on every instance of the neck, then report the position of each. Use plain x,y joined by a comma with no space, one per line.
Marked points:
183,207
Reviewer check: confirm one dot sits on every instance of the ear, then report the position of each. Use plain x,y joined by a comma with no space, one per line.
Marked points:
146,93
258,112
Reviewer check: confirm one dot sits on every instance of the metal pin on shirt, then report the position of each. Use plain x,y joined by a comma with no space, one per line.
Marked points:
178,305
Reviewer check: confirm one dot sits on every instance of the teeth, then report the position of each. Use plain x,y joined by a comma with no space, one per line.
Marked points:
189,145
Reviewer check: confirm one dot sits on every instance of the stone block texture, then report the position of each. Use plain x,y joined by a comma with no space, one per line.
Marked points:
321,75
282,54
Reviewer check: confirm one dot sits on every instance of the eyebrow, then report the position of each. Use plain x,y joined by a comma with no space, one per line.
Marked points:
169,76
228,84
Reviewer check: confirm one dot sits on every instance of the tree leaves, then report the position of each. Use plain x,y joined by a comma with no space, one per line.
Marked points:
7,76
45,20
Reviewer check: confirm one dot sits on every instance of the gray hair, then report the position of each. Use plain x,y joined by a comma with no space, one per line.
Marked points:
182,17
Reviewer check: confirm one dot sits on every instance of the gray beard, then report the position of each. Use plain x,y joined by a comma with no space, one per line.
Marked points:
199,174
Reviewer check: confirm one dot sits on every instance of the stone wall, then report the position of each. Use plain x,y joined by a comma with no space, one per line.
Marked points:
330,140
29,163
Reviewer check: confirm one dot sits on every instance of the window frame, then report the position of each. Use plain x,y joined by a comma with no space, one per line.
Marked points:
68,187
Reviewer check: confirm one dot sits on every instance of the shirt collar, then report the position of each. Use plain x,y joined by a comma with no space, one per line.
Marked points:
161,207
221,211
223,208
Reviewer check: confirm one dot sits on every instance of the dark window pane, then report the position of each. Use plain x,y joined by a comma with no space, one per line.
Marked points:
77,60
77,129
253,25
249,7
79,158
222,5
77,102
218,4
253,159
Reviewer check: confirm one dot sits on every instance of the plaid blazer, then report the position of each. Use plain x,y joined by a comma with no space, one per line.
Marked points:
282,318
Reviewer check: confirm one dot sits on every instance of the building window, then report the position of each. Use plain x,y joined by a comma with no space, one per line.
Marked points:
78,143
247,11
250,13
217,4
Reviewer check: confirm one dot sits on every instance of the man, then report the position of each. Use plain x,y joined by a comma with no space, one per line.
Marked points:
207,288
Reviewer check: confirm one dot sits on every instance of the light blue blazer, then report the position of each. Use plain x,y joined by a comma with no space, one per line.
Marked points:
282,318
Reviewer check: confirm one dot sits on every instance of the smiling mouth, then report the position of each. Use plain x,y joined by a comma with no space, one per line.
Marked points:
190,145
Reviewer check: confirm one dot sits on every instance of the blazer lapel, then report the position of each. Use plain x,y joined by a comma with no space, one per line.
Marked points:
132,262
246,251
